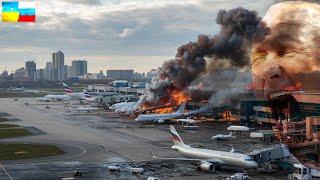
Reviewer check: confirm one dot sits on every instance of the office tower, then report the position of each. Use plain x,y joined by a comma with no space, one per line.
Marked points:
39,75
65,72
20,74
58,66
48,72
70,71
79,67
31,68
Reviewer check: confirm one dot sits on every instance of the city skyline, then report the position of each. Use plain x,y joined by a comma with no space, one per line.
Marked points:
43,65
56,70
102,33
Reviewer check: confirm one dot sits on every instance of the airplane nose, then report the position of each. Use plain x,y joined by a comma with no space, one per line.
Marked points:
137,119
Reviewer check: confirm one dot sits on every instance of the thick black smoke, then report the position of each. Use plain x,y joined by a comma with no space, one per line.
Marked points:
238,27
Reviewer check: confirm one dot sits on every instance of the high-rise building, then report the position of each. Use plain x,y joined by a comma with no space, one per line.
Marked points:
70,73
79,67
48,72
58,66
65,72
39,75
20,74
120,74
31,68
4,74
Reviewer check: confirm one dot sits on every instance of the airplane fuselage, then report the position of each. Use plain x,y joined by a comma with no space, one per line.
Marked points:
77,95
218,157
238,128
58,97
156,117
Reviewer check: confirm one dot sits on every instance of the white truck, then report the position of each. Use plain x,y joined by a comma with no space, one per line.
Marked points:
302,172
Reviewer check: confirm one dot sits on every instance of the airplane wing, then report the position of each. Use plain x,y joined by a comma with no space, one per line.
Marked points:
160,120
190,121
214,161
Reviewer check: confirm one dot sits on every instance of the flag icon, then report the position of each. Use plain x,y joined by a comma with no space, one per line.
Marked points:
18,12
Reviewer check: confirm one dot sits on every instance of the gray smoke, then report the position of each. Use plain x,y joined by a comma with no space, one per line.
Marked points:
229,48
233,89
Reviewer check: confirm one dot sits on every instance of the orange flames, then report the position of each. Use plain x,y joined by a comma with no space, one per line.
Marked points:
228,116
177,98
164,110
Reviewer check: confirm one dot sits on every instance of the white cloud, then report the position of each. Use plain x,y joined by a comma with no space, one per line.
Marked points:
126,32
24,49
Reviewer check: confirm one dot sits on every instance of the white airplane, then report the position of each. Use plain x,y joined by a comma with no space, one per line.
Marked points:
161,118
68,96
17,89
30,91
48,98
188,122
90,100
23,90
82,109
238,129
44,99
209,158
223,136
85,96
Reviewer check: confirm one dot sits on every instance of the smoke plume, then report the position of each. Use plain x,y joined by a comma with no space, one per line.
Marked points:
229,48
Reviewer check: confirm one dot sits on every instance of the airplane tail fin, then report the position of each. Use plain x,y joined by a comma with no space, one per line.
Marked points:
175,137
67,89
232,149
181,108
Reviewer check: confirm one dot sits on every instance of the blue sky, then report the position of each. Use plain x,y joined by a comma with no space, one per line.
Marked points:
112,34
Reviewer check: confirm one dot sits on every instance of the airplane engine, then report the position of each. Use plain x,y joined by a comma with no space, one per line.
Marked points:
160,121
185,123
206,166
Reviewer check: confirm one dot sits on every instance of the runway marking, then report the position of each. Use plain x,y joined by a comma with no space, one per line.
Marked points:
84,151
5,171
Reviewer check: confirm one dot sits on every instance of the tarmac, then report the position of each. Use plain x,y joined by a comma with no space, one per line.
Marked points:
92,141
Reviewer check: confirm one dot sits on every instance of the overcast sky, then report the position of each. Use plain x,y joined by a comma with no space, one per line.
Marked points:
112,34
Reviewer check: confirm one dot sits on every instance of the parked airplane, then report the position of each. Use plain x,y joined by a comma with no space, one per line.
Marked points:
223,136
44,99
30,91
161,118
82,109
17,89
68,96
23,90
187,122
79,95
238,129
209,158
48,98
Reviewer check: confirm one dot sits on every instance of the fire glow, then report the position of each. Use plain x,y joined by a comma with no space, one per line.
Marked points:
177,98
227,49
